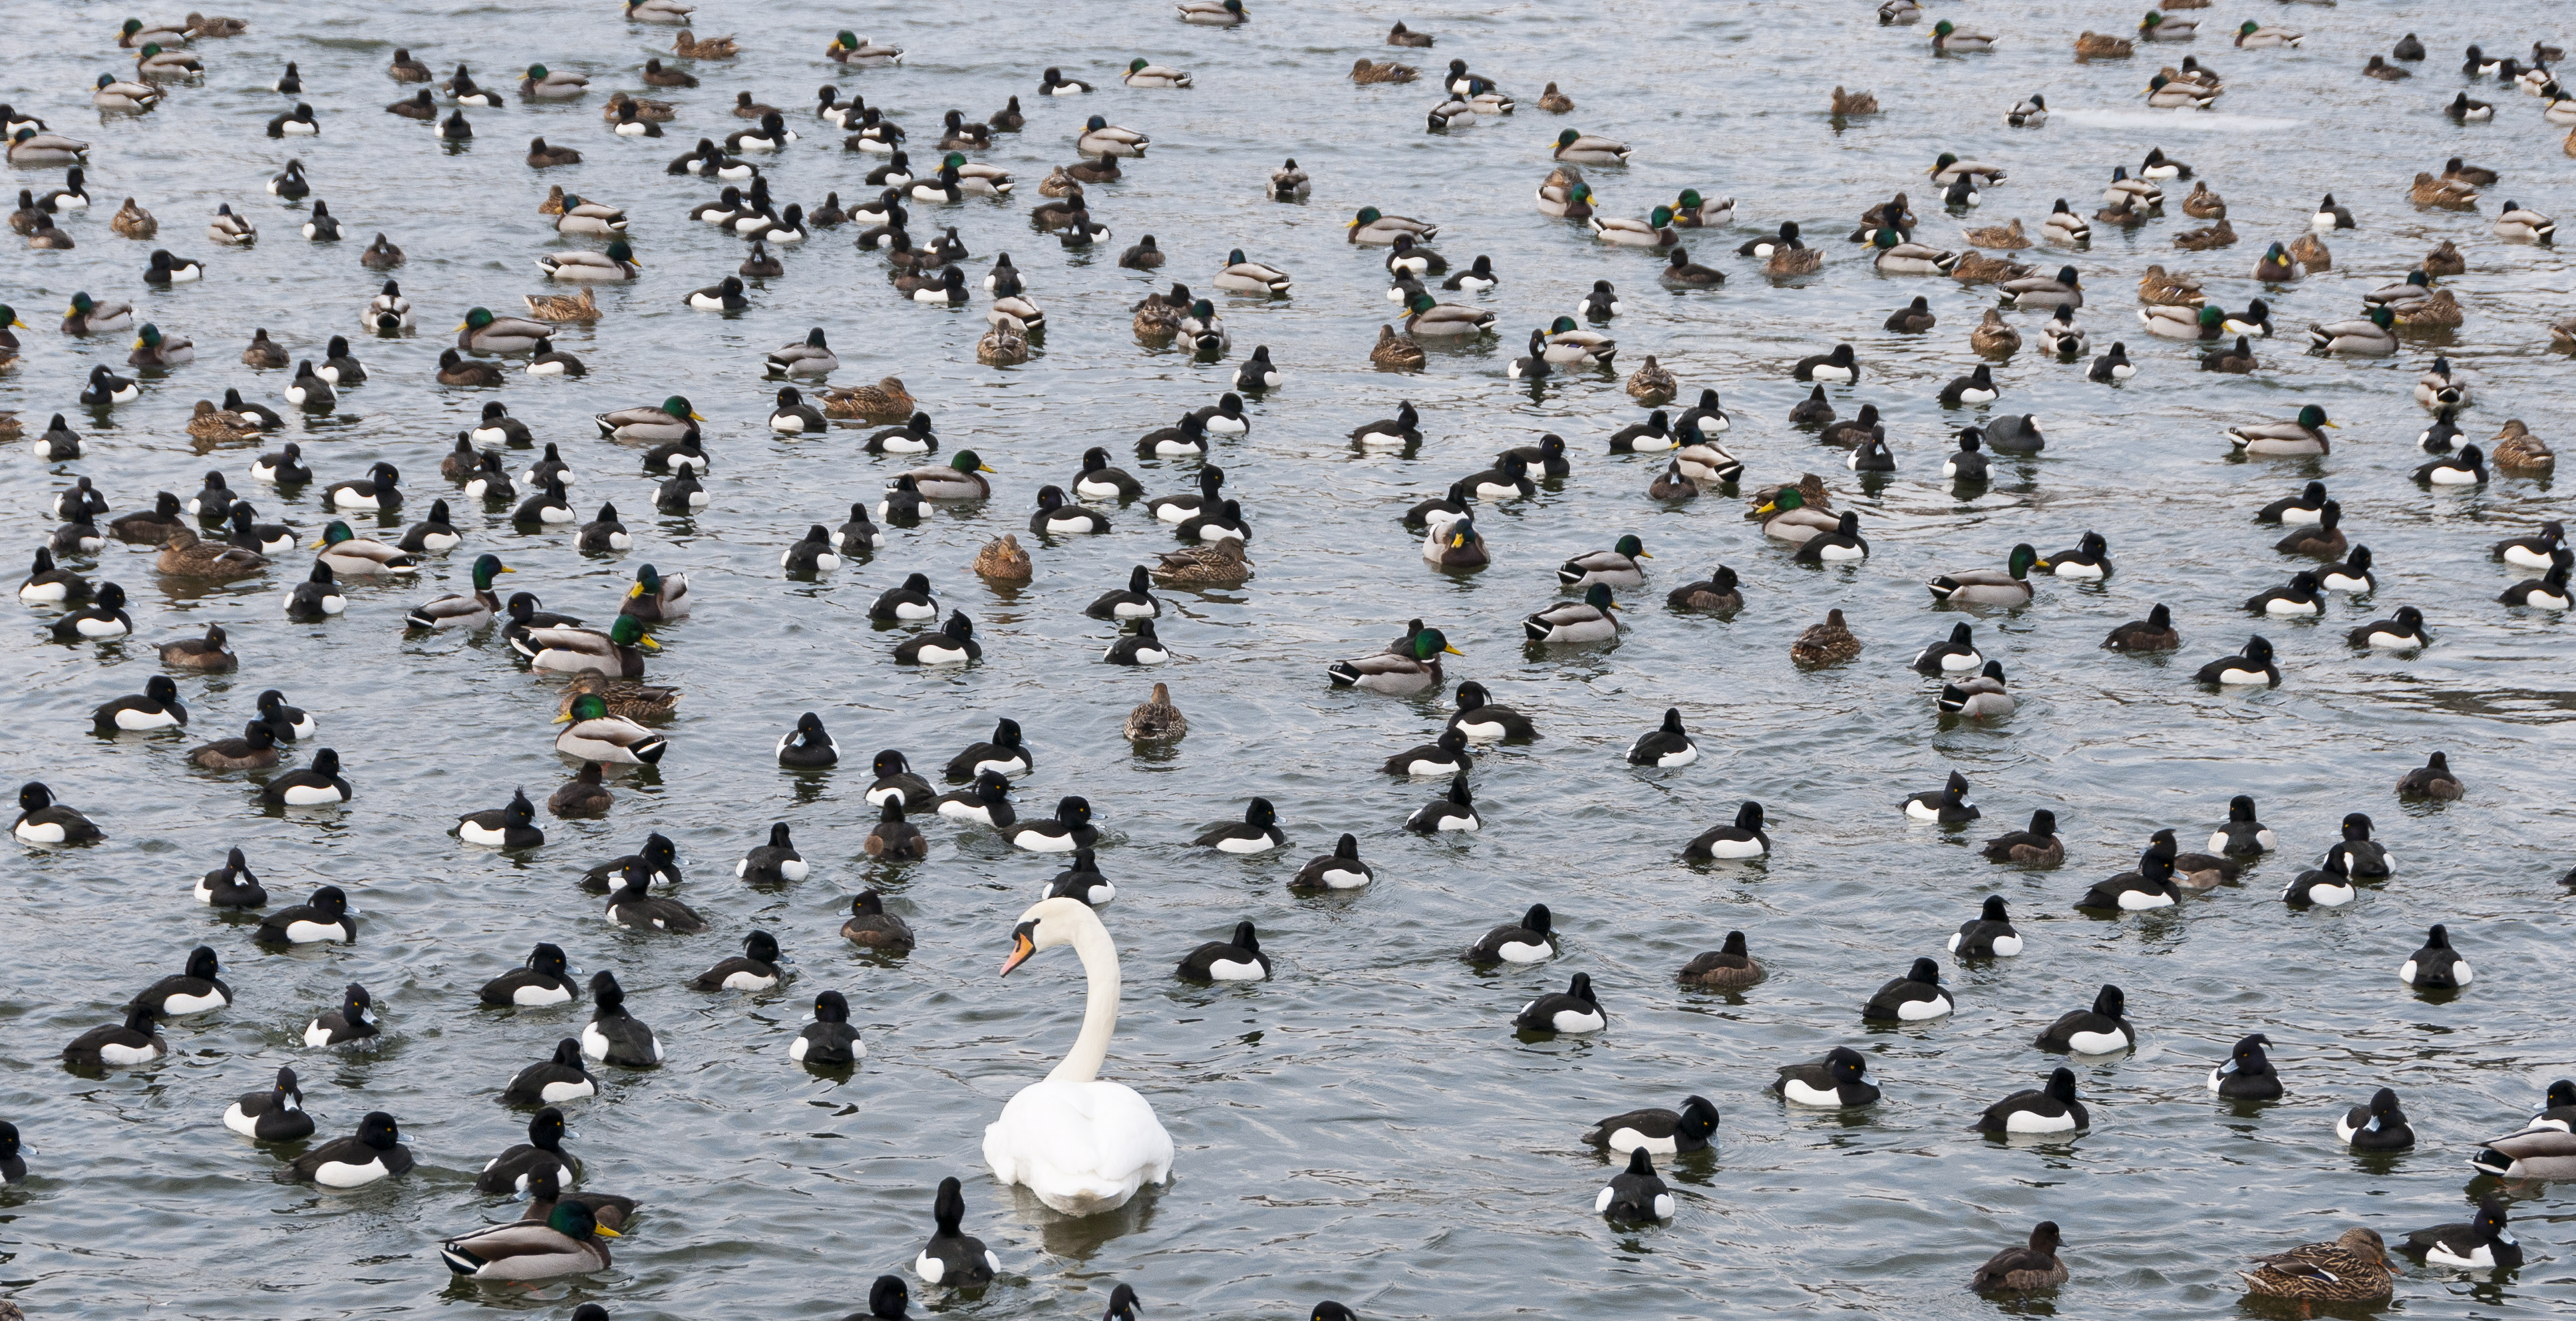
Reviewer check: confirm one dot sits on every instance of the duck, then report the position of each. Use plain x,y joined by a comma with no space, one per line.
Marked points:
616,263
373,1153
2033,1267
545,979
2351,1269
2436,967
1618,566
565,1242
777,862
317,597
2300,436
2150,885
1836,367
1574,1010
1655,231
345,1024
2537,1152
344,551
1989,935
2052,1108
563,649
2296,597
318,784
755,969
1913,998
2481,1244
2537,550
953,644
271,1114
1589,620
630,906
2247,1075
2372,336
2008,586
1840,1080
2466,468
2324,537
2432,780
2379,1125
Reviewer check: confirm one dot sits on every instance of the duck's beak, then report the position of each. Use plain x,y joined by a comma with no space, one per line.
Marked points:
604,1231
1021,949
319,544
460,325
2336,425
507,569
1453,650
634,591
1613,605
695,418
564,719
1768,506
648,644
1645,555
983,467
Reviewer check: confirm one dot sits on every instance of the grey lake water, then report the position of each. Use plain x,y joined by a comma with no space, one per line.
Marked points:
1366,1125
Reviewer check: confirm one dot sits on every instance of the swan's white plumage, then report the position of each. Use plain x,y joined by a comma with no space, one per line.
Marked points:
1082,1144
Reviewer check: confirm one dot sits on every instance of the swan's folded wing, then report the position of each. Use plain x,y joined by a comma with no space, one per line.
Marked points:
1079,1146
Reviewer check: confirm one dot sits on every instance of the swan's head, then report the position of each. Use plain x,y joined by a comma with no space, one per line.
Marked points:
1047,924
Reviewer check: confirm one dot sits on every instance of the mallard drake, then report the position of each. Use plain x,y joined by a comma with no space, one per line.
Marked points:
1101,138
344,551
2159,26
1655,231
1898,256
1446,319
2303,435
1584,149
1948,37
1375,228
482,332
2521,224
2064,289
566,1242
467,610
562,649
670,421
1416,669
30,147
543,84
1568,198
1787,516
1214,13
1241,275
136,34
656,599
2372,336
163,62
961,478
2007,586
2256,36
116,94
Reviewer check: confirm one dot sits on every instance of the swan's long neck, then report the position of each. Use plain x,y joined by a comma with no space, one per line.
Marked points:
1099,1006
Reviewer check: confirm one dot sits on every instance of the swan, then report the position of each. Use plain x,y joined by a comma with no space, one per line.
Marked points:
1083,1145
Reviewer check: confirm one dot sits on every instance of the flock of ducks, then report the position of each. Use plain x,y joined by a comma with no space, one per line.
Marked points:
1083,1144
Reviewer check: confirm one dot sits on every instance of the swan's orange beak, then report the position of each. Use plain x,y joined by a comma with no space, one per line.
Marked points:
1021,949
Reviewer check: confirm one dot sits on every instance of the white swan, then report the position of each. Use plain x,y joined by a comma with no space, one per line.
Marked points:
1081,1144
